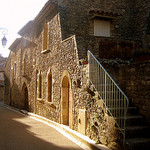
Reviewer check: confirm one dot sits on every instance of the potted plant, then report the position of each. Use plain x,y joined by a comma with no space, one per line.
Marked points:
84,61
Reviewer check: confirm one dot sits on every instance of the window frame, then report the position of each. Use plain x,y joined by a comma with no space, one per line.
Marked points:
100,31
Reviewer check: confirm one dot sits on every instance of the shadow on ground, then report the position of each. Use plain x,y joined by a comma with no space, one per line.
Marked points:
15,134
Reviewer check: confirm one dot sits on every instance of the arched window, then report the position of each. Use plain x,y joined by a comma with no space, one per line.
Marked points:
40,85
50,87
65,100
45,36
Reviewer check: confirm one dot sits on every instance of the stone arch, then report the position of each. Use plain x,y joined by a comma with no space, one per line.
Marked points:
25,98
66,100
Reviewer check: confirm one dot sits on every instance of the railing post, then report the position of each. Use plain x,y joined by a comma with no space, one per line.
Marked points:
88,67
125,108
105,89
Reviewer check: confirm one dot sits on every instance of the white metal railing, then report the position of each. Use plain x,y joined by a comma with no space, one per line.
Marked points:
115,101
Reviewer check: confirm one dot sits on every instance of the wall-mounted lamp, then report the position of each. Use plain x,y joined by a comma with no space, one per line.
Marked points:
4,40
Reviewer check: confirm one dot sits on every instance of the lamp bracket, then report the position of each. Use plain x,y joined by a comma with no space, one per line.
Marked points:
4,31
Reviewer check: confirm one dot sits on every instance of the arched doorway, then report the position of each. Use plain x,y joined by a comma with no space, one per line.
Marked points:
25,97
65,101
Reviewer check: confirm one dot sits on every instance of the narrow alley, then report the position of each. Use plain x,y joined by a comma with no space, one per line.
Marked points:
19,132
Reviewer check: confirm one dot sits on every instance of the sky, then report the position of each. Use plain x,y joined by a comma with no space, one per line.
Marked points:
14,14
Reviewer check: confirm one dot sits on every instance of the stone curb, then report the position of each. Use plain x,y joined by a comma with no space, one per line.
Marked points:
83,141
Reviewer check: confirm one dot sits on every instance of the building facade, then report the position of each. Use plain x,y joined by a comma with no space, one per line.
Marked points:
2,85
45,73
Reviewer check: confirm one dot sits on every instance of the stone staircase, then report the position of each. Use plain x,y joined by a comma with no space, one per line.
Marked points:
137,131
137,128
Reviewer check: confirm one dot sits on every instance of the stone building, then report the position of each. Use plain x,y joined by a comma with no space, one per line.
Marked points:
45,72
1,85
2,74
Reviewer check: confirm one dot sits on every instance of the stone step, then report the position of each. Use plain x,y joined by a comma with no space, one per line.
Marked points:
109,93
132,111
114,104
137,131
135,120
138,144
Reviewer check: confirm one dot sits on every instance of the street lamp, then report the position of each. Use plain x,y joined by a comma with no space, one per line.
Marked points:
4,40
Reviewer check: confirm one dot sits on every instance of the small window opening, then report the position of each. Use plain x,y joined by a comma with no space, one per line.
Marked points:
45,36
102,28
24,66
50,87
40,86
14,71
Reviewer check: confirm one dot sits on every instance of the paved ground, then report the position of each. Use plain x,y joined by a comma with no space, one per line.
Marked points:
18,132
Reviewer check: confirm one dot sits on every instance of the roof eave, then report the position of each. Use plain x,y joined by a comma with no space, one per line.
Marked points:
25,28
14,44
48,7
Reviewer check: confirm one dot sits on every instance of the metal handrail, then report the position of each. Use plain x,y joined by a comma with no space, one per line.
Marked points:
114,99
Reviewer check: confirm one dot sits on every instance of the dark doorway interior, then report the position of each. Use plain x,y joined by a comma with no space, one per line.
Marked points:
25,98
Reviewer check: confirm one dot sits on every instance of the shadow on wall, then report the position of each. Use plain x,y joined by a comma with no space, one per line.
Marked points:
1,93
16,97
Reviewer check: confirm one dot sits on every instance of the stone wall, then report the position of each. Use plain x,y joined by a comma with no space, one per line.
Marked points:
62,61
75,19
137,85
132,22
62,56
69,38
7,80
134,80
113,48
141,11
101,126
2,85
1,93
